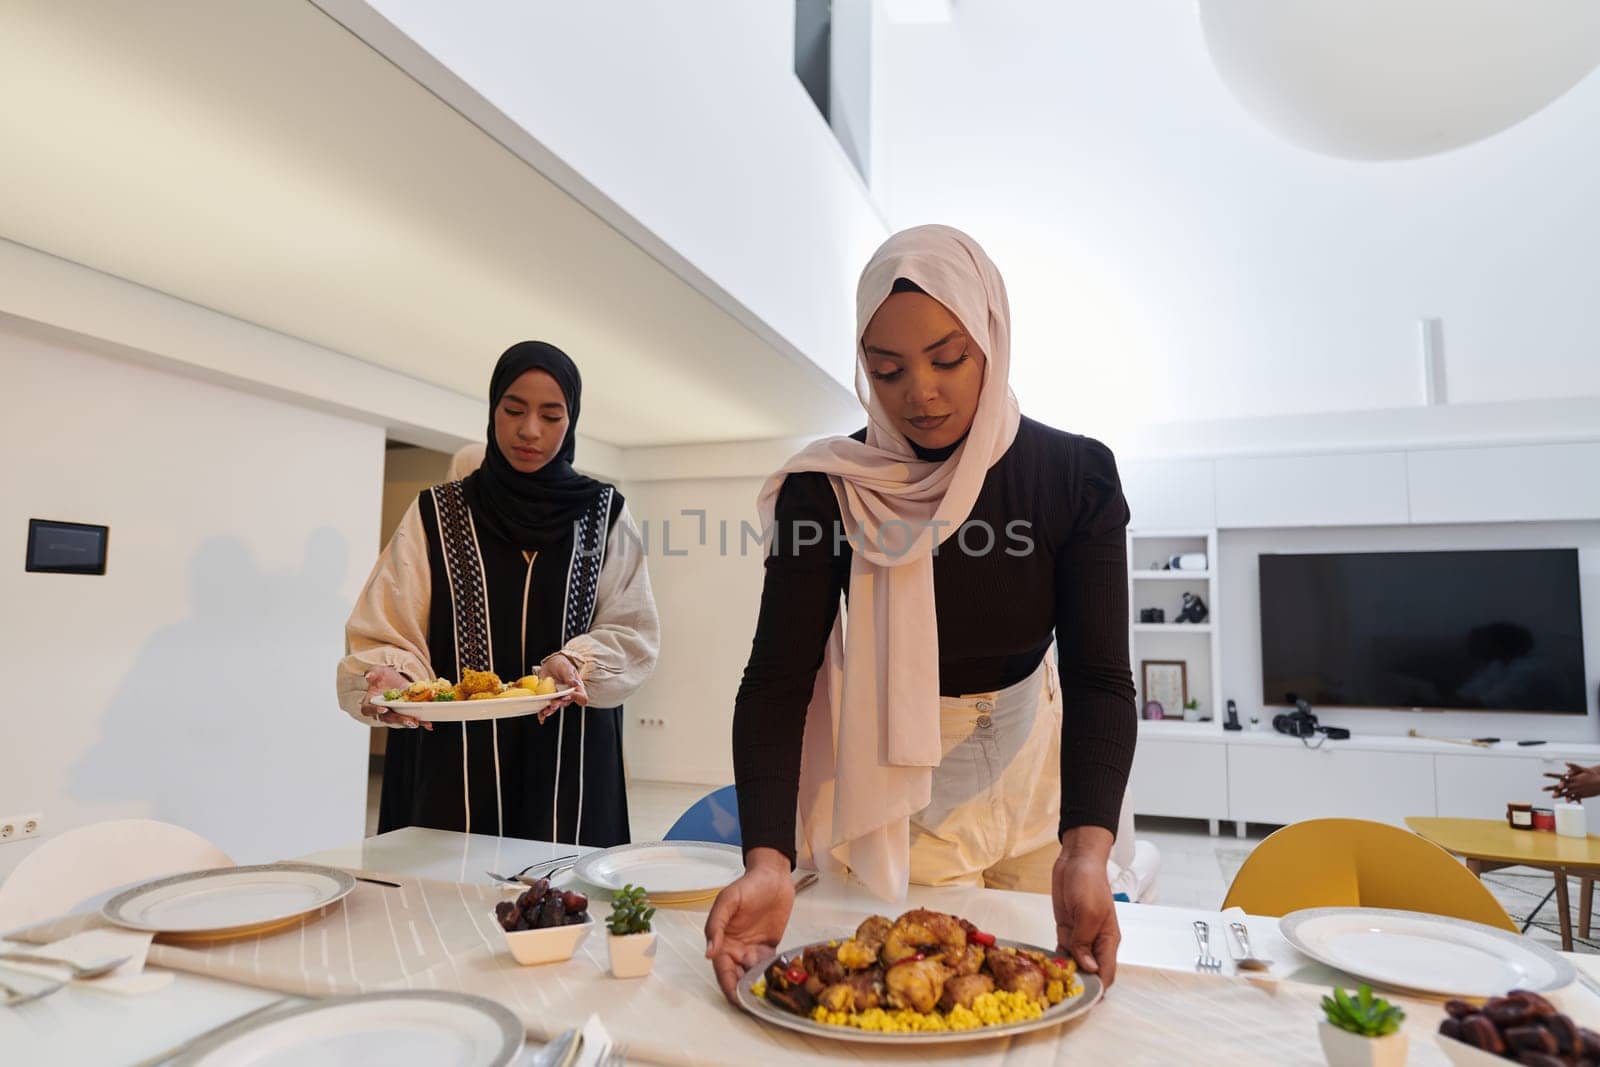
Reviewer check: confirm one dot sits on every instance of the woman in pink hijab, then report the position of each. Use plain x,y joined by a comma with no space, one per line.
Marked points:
982,560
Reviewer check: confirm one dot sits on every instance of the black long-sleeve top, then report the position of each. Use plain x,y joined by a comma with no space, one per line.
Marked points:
1058,567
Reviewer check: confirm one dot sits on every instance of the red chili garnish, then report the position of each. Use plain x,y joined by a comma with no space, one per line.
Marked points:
795,976
918,958
1059,962
978,937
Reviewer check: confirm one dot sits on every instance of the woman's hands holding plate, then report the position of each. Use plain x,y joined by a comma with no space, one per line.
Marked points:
379,681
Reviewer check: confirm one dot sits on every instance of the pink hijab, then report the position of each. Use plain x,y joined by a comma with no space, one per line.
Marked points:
872,729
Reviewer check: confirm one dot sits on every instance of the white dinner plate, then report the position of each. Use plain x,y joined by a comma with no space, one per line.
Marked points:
671,872
228,901
422,1028
472,710
1054,1015
1411,951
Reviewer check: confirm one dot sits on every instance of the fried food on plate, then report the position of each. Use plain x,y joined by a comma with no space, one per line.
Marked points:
475,682
925,971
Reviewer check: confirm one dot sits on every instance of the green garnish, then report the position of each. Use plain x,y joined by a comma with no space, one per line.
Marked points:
446,695
391,694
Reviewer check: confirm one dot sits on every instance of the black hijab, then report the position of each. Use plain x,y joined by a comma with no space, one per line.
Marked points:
538,509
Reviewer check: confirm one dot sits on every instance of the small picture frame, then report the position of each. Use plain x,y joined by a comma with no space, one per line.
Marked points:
1166,682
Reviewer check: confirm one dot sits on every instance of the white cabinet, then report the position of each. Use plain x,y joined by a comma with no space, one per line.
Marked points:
1170,495
1277,783
1360,489
1479,787
1517,483
1184,779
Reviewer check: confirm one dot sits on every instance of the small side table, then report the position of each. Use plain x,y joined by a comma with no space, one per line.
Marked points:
1489,844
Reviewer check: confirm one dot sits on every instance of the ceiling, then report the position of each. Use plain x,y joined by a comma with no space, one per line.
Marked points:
256,158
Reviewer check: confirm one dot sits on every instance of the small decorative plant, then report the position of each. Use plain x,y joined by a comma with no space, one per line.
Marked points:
631,912
1362,1014
1192,704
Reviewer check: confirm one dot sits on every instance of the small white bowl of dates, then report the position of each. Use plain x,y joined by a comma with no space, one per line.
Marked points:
544,924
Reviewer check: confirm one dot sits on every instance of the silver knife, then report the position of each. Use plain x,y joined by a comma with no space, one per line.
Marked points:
180,1049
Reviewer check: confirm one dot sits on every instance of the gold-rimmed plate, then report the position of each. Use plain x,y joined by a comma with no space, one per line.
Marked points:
671,872
228,901
412,1028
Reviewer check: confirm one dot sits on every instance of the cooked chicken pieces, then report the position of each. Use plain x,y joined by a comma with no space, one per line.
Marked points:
861,991
473,682
927,933
964,989
1016,973
821,962
861,951
971,961
925,962
917,985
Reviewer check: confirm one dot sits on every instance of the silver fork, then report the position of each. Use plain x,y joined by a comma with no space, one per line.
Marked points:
525,878
95,970
1202,937
15,996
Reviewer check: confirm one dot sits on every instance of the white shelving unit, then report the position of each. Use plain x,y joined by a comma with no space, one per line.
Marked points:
1198,645
1173,775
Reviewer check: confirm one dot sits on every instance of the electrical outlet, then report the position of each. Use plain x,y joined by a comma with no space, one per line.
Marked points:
18,827
652,722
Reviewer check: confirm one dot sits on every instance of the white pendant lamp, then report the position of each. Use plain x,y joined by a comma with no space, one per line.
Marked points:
1396,79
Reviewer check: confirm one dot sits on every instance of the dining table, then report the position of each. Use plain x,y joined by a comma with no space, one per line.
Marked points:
1162,1008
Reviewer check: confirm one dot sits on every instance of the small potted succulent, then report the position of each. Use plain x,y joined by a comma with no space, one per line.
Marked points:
1362,1030
632,941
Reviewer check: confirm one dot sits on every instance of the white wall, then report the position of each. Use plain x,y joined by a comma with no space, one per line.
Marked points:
1168,258
688,116
708,601
1240,617
193,682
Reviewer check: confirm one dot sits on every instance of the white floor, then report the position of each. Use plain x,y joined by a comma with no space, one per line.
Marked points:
1196,868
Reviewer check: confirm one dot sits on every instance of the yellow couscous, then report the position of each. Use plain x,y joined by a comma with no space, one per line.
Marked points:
990,1009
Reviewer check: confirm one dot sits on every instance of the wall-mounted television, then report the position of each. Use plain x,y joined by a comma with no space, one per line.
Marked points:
1476,631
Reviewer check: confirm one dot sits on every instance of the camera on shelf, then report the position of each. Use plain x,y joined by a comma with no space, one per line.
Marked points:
1302,723
1297,723
1152,615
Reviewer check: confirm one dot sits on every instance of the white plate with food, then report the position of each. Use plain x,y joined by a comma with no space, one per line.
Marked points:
422,1028
228,901
479,695
670,872
1416,952
924,978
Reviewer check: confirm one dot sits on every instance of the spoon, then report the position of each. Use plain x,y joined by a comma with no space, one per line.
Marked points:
1249,961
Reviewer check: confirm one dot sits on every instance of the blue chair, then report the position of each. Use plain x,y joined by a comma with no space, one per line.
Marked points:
714,817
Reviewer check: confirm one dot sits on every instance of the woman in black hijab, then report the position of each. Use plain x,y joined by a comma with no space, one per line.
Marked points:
523,564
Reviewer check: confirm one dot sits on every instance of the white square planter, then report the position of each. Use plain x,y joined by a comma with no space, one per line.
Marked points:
1344,1049
632,955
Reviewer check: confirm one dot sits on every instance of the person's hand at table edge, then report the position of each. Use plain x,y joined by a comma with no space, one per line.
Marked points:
1086,915
748,918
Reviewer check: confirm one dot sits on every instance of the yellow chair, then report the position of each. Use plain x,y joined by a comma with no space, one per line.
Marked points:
1354,863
